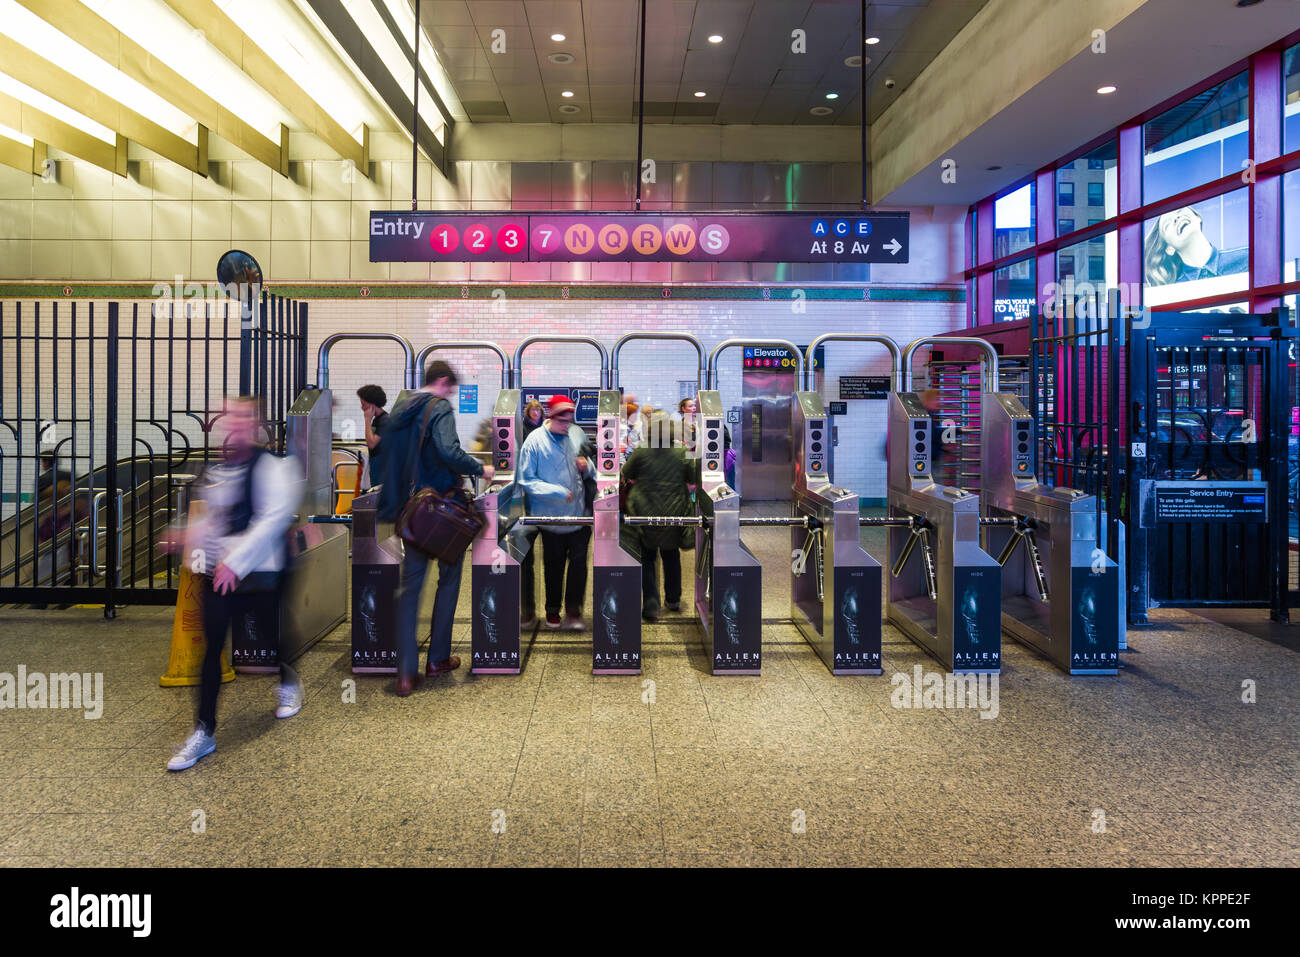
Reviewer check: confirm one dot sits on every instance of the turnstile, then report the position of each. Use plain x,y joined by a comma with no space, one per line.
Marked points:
944,590
376,576
615,573
495,555
1060,592
835,585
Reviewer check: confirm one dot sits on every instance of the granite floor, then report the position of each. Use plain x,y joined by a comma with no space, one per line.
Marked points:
1163,765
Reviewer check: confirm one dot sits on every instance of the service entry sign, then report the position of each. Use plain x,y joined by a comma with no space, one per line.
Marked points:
1211,503
568,236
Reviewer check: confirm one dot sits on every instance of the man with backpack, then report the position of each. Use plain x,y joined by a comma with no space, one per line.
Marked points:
422,450
239,555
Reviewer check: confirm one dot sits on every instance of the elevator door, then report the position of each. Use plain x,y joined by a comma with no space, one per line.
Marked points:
766,462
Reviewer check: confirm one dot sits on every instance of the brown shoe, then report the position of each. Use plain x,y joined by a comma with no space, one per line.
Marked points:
441,668
406,685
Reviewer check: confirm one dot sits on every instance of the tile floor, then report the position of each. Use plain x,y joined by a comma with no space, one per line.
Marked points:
557,767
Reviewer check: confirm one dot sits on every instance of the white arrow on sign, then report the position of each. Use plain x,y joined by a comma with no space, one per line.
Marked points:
893,246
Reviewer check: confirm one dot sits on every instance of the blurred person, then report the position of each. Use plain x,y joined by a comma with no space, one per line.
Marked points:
422,450
659,475
551,472
240,556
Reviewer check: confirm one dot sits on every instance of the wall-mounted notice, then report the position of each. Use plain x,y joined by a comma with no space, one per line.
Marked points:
864,386
568,236
1203,502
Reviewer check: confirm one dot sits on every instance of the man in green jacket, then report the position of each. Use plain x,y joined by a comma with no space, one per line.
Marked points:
659,476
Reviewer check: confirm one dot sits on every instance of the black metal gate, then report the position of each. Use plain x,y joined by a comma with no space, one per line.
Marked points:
1208,486
106,412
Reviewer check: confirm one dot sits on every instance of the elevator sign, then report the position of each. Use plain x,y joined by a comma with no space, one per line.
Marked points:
868,237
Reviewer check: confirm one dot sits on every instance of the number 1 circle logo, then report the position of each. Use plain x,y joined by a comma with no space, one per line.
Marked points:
444,239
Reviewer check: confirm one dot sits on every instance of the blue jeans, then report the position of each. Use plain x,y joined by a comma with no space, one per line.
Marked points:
414,567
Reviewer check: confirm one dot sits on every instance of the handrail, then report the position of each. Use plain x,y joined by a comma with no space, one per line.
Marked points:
530,340
710,378
990,360
323,355
463,344
896,373
675,336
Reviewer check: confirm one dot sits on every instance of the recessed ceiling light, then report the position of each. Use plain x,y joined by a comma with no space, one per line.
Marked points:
700,93
1247,3
566,93
560,57
821,111
1105,89
993,169
855,61
832,96
558,37
570,108
872,41
716,38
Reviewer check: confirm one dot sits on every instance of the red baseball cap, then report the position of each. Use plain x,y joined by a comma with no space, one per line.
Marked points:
558,405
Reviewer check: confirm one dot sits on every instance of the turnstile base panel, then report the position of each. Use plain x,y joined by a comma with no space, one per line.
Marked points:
1024,619
916,619
495,671
366,670
615,671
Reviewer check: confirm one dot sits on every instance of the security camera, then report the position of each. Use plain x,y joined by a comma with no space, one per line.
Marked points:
890,83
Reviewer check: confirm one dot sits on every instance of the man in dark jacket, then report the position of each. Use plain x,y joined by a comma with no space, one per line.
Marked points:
422,450
658,474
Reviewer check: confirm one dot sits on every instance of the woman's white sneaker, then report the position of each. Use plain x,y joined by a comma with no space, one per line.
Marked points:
199,745
290,700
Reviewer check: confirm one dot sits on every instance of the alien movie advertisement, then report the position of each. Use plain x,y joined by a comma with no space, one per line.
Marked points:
977,619
737,619
494,632
374,618
857,620
255,635
1095,641
616,625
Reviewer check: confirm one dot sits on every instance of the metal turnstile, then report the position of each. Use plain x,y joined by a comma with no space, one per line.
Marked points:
615,572
1060,592
495,555
944,590
835,585
376,576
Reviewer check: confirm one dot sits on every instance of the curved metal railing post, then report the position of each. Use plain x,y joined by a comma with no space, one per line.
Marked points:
589,340
323,355
896,373
710,378
989,361
463,344
675,336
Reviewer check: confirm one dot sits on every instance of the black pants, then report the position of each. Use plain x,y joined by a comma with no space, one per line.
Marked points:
557,551
672,558
528,582
219,613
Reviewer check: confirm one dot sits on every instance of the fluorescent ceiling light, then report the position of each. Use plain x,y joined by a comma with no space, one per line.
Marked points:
404,17
297,48
176,44
20,24
16,135
21,91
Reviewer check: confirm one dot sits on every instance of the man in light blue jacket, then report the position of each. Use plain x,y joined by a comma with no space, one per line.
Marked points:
551,470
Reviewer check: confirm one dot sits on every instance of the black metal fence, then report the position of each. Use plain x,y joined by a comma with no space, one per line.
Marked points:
106,412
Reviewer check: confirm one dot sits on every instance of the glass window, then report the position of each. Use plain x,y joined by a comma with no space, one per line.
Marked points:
1237,307
1087,270
1093,222
1291,226
1199,140
1014,292
1064,226
1097,171
974,237
1197,251
1291,99
1013,222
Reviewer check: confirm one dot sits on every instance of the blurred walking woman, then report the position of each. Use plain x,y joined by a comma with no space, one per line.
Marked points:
658,474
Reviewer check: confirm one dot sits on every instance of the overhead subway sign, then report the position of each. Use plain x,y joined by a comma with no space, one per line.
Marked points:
833,237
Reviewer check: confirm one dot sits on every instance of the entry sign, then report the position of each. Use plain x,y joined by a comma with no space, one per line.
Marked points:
468,398
832,237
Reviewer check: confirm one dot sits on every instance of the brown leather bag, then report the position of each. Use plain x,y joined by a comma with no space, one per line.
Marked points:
439,524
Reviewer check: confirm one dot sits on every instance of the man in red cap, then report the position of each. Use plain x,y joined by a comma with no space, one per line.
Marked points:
551,469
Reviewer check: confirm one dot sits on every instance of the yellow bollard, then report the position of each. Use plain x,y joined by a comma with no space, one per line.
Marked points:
186,662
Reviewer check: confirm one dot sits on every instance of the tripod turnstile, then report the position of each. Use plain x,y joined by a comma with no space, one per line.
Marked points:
495,646
616,574
835,585
1060,592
